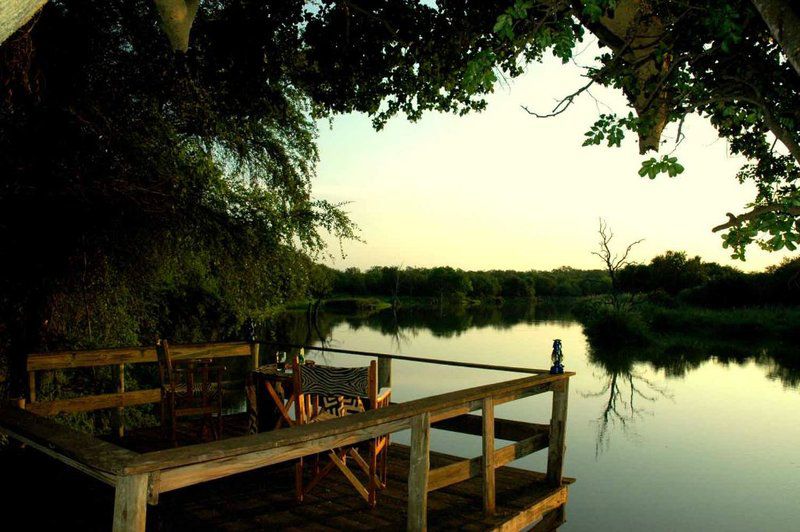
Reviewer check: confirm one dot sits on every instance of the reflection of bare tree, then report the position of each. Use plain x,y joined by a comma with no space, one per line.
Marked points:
313,330
314,334
399,336
628,394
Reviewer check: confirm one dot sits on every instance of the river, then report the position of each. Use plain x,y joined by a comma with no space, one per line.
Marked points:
684,443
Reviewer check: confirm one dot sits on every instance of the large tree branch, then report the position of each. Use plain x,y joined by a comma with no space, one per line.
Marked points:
16,13
783,21
733,221
635,25
177,17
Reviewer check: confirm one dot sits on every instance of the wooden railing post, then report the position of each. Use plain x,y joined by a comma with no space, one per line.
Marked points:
419,465
119,417
255,349
384,373
558,430
31,386
130,503
488,464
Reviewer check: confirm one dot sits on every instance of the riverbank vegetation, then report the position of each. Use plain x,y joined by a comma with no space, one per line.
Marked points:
670,279
671,295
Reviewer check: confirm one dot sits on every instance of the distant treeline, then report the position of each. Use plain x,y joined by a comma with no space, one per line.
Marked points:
451,283
670,277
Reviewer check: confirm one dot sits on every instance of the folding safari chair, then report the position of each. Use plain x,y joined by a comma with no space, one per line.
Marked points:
326,392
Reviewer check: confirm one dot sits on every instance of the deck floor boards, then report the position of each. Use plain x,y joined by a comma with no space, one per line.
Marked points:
262,499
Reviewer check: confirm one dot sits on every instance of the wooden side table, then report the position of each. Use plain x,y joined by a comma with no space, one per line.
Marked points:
273,396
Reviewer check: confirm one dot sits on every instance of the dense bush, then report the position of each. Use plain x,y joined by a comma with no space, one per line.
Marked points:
606,327
711,285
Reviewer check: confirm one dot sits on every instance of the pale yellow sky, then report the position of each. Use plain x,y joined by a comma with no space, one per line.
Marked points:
504,190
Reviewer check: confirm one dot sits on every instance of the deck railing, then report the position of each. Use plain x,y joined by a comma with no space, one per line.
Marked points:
140,478
117,358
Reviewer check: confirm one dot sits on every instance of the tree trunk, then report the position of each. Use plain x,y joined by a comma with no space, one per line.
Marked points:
633,33
783,21
177,17
16,13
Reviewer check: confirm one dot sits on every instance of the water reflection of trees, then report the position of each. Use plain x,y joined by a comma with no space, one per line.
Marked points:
675,356
627,392
446,322
679,356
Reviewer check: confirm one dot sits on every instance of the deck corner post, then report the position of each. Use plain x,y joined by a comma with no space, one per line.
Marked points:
488,461
32,386
419,466
130,503
558,429
118,419
153,487
384,372
255,353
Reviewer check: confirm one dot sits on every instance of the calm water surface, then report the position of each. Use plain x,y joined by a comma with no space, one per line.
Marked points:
689,444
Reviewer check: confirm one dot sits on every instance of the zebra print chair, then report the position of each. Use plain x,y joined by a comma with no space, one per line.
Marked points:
326,392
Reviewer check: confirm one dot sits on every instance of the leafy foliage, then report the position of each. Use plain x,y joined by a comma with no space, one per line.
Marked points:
712,58
146,193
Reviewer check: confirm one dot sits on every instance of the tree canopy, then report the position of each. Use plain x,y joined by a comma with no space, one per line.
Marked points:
147,193
735,63
717,59
134,176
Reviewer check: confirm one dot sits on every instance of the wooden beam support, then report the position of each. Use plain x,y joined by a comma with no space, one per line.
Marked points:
558,429
533,513
419,465
487,465
466,469
504,429
454,473
517,450
130,504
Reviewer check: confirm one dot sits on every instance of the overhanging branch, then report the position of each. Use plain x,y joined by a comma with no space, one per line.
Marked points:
177,17
733,221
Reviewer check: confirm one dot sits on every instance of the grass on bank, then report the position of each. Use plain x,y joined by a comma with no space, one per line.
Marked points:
649,323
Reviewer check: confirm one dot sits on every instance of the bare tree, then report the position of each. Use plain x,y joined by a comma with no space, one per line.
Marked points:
614,263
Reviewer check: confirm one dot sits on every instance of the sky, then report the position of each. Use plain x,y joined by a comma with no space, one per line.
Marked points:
502,189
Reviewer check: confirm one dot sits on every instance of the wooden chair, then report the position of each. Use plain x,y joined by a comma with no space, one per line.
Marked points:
182,395
325,392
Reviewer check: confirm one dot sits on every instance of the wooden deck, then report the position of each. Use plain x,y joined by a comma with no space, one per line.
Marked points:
264,498
135,480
